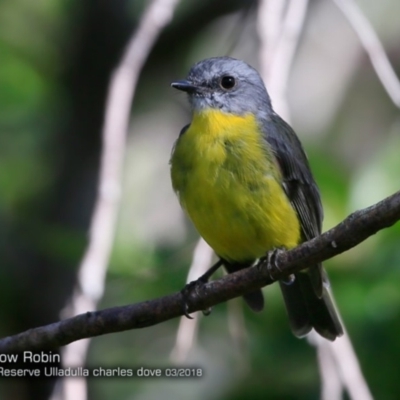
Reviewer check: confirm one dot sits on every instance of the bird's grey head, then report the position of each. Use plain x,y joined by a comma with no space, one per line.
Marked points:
227,84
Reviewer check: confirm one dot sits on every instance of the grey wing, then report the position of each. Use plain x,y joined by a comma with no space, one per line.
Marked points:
183,130
307,299
298,183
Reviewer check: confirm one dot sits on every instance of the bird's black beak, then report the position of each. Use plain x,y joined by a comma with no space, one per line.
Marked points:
185,86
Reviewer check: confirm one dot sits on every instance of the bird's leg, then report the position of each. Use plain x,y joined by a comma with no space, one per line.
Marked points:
273,266
194,285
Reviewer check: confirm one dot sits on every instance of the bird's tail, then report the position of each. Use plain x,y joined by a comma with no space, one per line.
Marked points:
310,308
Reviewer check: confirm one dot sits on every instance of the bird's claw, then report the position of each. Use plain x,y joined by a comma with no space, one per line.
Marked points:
187,290
185,297
272,266
186,310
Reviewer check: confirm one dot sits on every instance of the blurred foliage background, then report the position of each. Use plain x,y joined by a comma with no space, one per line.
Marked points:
55,64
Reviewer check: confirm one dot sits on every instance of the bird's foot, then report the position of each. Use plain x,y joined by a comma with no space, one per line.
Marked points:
186,292
273,267
195,286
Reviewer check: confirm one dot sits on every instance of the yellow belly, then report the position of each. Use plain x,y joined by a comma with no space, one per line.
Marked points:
229,184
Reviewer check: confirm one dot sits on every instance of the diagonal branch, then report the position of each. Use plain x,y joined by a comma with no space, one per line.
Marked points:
353,230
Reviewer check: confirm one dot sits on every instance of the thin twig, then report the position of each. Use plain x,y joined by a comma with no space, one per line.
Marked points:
238,332
331,381
353,230
373,47
284,44
187,330
92,271
341,356
270,18
347,363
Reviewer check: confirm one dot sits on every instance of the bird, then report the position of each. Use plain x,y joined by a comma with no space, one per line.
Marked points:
244,180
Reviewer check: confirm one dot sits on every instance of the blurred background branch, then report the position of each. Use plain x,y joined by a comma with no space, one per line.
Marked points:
187,330
373,47
279,38
344,370
92,270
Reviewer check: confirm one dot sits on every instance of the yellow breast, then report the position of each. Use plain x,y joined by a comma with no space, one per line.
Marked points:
229,184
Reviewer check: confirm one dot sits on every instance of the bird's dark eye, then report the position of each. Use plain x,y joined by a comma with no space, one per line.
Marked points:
227,82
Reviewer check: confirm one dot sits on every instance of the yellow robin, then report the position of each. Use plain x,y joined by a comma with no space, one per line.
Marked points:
244,180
